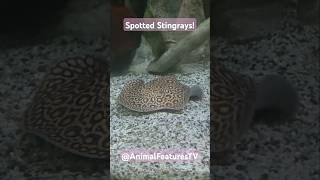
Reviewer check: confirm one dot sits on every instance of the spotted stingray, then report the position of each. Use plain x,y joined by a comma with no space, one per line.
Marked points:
237,99
163,93
70,108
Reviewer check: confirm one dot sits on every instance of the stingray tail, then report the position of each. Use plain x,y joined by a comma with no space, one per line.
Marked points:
196,93
276,99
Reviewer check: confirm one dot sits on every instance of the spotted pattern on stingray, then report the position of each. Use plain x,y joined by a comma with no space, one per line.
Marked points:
163,93
70,108
232,101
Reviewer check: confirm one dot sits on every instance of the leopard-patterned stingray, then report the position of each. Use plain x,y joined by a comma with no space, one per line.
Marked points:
70,108
163,93
233,97
236,99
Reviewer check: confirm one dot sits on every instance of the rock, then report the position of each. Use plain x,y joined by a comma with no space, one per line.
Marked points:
161,42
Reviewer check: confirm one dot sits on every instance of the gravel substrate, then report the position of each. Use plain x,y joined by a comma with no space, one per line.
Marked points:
188,129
